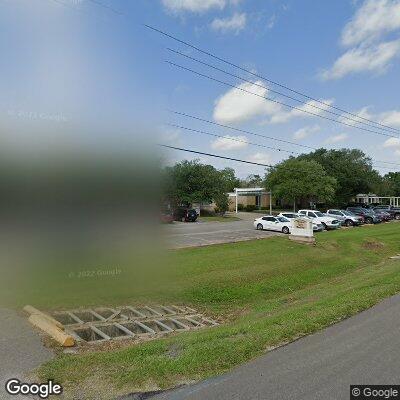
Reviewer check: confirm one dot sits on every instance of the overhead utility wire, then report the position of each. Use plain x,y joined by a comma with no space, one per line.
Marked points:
254,134
239,130
215,155
232,139
275,101
272,90
263,77
98,3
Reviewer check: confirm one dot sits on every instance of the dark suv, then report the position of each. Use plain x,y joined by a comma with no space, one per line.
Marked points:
185,215
393,211
369,216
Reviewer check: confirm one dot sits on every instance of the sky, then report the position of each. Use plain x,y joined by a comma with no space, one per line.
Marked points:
89,74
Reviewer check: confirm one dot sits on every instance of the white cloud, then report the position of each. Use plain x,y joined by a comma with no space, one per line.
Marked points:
302,111
336,138
233,24
393,143
391,118
262,158
271,22
371,21
170,135
238,106
374,58
229,143
357,116
305,132
364,38
195,6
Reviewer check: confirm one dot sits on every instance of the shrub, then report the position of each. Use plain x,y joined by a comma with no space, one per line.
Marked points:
250,207
240,207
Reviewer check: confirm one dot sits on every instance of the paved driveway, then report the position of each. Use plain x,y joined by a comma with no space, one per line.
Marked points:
186,234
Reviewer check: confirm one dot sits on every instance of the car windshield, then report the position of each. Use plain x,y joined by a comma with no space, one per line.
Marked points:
318,213
288,215
282,219
348,213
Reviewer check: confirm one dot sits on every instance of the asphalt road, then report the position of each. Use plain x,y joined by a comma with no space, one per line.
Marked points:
186,234
364,349
21,350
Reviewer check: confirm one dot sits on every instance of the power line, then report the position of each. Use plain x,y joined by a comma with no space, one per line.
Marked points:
326,109
223,157
255,134
275,101
263,77
240,130
106,6
215,155
232,139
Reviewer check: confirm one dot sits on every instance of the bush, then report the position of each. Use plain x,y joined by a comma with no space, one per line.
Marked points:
207,213
222,204
250,207
240,207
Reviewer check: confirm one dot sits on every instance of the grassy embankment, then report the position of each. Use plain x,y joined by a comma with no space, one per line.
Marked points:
267,292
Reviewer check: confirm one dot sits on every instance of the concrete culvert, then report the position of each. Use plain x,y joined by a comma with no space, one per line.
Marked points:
86,316
113,331
64,318
88,335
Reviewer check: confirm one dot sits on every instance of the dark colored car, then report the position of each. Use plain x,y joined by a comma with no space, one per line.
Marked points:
384,215
369,216
394,211
185,215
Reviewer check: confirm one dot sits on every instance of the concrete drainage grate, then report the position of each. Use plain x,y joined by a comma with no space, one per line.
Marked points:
101,324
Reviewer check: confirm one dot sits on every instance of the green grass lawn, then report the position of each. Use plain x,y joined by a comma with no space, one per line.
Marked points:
266,292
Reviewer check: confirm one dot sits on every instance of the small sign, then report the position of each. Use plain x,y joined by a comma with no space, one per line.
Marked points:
302,227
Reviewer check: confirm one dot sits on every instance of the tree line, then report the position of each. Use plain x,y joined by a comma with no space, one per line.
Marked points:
332,177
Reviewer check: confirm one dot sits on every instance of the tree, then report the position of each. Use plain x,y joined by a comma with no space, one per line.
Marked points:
351,168
297,180
391,184
222,203
189,182
229,178
252,180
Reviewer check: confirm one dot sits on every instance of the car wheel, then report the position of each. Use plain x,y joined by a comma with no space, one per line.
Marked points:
260,227
349,222
397,216
324,225
369,220
285,230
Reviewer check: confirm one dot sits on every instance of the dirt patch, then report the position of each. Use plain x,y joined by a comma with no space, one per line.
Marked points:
174,351
373,245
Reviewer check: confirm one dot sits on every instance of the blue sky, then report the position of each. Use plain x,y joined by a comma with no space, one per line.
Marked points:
75,72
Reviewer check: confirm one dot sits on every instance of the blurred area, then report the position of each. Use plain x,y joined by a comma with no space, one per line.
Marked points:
79,174
79,228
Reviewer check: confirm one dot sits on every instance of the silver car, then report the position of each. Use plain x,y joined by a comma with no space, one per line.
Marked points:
317,226
347,218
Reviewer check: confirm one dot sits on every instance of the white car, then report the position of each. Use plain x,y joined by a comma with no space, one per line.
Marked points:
271,223
317,216
317,226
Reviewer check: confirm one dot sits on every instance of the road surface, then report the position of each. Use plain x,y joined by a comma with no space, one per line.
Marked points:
190,234
21,350
364,349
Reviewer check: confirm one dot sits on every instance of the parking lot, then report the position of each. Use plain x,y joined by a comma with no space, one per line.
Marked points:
181,234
